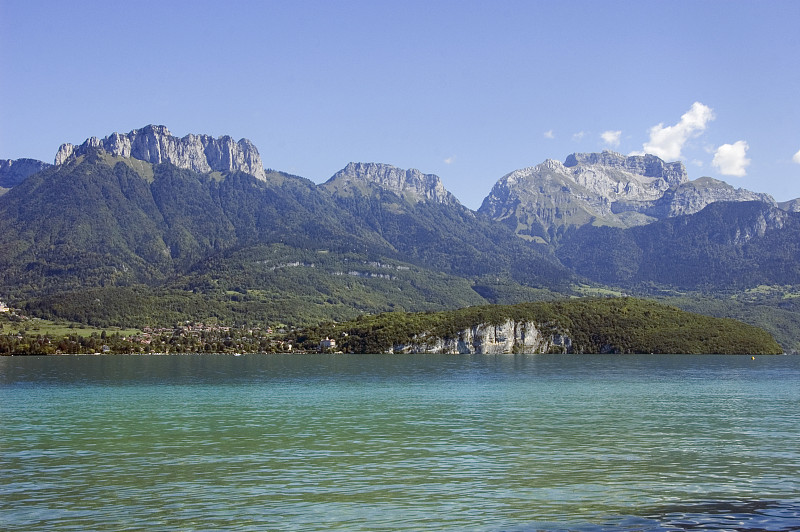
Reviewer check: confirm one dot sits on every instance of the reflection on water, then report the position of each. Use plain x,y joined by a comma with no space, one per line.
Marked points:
351,442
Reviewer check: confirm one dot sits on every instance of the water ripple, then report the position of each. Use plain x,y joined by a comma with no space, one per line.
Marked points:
400,443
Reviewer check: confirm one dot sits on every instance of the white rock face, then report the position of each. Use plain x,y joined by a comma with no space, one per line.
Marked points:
155,144
508,337
411,184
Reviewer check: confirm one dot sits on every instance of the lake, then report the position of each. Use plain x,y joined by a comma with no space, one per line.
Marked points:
400,442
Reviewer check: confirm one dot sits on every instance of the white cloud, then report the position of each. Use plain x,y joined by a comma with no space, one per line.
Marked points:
549,134
731,159
611,137
796,157
668,141
579,135
450,160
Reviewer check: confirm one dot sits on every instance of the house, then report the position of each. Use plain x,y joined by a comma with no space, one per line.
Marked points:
327,343
3,307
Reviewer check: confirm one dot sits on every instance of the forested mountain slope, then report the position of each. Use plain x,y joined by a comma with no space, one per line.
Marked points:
146,228
726,246
254,249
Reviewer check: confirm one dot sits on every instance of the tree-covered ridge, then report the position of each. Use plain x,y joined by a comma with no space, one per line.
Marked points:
602,325
776,309
725,246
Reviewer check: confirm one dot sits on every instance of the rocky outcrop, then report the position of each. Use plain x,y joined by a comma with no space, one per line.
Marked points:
694,196
542,202
791,205
508,337
155,144
410,184
14,172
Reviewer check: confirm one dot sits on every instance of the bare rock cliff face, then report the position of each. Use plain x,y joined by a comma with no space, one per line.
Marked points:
411,184
509,337
155,144
643,165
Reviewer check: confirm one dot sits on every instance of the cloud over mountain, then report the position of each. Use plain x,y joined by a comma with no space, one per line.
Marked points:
611,137
667,142
731,159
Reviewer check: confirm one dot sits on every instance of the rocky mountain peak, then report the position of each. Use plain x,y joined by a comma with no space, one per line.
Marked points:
155,144
608,188
411,184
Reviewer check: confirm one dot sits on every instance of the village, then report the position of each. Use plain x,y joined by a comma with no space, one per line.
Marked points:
23,335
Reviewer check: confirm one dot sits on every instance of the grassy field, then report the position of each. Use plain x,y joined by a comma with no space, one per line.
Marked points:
10,324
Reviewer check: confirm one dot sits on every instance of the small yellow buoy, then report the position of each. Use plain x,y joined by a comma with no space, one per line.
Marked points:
752,358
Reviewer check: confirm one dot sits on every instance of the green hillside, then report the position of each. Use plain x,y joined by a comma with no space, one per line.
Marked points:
616,325
111,241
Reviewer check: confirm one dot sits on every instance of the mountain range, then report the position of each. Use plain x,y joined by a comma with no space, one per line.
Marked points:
145,228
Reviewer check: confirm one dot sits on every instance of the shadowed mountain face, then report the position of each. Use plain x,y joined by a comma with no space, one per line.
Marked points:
14,172
726,245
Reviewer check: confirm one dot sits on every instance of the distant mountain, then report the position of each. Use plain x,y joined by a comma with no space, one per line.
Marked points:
791,205
543,202
14,172
412,184
155,144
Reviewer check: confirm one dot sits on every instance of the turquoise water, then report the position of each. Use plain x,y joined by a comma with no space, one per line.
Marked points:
417,442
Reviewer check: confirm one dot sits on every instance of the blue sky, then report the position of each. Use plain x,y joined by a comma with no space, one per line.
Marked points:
466,90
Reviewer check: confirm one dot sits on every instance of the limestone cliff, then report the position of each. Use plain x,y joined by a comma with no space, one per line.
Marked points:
508,337
410,184
542,202
155,144
647,165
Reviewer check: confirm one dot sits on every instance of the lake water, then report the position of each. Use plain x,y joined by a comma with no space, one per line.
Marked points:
402,442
